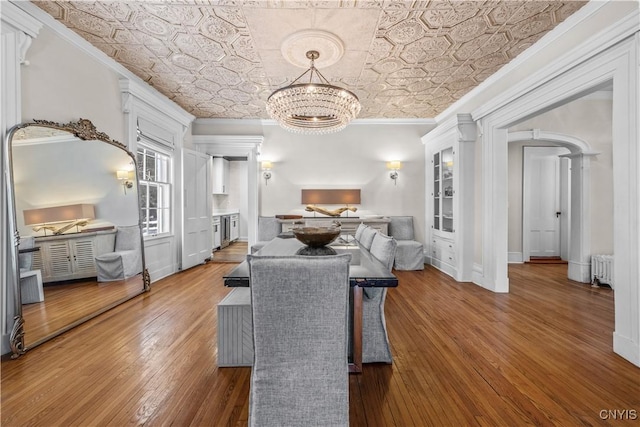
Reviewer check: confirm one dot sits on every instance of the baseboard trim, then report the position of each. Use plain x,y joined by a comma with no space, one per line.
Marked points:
515,258
626,348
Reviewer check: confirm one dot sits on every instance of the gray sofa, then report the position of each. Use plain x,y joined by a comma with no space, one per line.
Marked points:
269,227
410,253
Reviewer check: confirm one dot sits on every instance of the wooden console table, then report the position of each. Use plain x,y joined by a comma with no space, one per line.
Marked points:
349,224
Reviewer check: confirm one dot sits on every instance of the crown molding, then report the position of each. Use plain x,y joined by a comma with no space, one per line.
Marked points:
139,90
248,140
397,122
19,19
142,89
368,122
462,122
225,122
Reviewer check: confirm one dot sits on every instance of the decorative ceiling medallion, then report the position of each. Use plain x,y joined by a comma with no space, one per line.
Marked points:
328,45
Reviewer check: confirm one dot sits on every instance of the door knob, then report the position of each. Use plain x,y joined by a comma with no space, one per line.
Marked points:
558,214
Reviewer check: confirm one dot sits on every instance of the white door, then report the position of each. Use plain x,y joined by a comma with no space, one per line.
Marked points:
541,202
197,239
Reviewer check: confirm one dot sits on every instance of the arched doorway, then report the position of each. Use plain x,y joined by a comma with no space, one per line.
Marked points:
616,66
580,153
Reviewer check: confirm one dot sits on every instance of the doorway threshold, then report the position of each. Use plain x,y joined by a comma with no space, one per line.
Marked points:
546,260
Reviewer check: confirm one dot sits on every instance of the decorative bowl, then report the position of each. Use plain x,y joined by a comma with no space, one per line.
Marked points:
316,237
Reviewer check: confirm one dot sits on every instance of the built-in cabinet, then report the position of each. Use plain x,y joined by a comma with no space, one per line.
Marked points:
449,153
234,227
217,232
71,256
220,176
226,228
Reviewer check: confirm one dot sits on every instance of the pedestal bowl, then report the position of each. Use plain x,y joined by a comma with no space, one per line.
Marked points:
316,237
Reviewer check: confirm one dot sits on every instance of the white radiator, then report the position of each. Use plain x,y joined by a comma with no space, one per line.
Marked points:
602,269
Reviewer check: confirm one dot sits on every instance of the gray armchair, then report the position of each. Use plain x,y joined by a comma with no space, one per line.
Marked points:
269,227
410,253
366,237
375,340
300,311
126,260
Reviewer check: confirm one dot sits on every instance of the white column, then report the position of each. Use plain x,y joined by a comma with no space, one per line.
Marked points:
494,208
580,240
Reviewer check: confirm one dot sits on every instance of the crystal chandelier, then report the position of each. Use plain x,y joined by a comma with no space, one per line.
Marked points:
314,107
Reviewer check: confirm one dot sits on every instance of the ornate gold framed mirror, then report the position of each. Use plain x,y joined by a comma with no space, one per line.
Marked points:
74,210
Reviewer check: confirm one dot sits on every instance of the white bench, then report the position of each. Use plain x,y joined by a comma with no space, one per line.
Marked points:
235,329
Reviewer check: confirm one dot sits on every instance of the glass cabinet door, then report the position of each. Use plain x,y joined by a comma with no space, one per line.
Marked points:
447,189
443,190
436,191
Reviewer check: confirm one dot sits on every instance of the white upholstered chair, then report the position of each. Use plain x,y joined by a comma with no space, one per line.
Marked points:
300,311
410,253
126,259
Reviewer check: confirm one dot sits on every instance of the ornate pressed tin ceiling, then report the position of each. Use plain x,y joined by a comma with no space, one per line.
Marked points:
223,58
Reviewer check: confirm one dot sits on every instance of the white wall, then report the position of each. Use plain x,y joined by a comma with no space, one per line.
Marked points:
62,84
589,119
353,158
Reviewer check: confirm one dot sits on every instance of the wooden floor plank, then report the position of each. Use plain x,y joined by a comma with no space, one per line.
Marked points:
539,355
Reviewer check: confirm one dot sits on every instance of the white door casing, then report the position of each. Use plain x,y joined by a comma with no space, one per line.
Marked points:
541,202
238,146
565,207
608,58
197,238
576,233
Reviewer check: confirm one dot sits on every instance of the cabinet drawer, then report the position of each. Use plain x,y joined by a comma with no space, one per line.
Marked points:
443,250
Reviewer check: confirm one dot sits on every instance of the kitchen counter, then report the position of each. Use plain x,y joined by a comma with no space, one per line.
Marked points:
226,226
220,212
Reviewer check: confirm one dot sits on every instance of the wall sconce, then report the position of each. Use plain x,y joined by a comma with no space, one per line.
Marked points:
266,168
394,166
126,177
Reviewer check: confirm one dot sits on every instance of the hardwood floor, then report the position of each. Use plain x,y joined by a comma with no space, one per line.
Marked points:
71,302
540,355
236,252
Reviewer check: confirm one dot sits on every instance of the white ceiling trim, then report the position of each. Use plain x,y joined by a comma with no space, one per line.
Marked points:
19,19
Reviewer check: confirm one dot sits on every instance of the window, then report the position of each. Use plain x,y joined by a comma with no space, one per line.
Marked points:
155,190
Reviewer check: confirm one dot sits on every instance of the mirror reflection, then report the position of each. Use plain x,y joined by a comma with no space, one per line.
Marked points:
77,214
